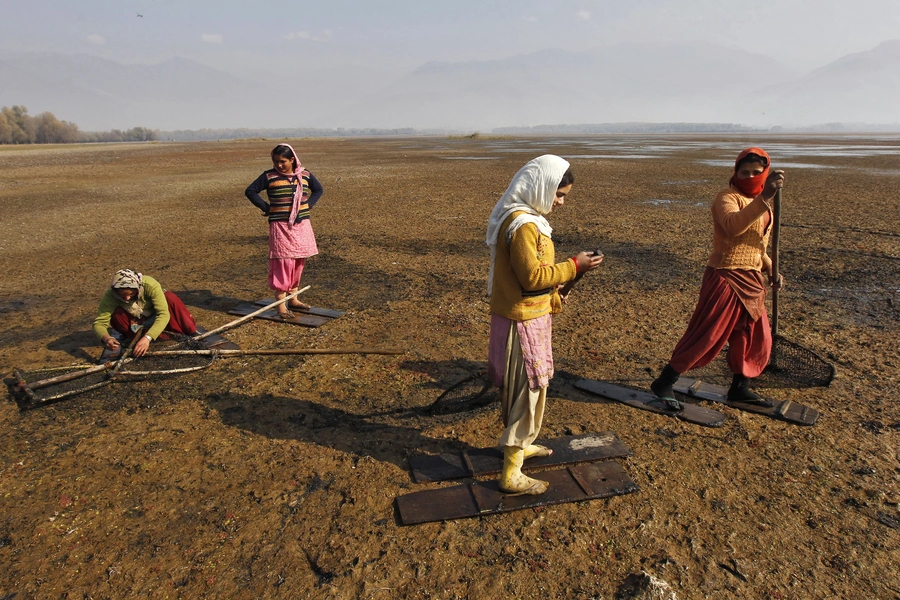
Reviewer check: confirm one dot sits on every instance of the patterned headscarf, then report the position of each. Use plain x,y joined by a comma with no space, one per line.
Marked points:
132,280
531,190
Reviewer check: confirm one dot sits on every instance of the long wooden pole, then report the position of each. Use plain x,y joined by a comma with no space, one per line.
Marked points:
127,352
275,352
36,385
776,235
237,322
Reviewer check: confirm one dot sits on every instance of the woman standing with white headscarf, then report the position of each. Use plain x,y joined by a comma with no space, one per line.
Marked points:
523,284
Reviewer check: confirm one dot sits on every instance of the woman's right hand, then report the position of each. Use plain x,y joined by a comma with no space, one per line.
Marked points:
588,261
111,343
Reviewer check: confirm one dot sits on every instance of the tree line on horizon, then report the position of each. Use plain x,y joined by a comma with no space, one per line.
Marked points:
18,127
241,133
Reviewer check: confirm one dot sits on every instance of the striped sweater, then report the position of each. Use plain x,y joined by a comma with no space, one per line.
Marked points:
280,192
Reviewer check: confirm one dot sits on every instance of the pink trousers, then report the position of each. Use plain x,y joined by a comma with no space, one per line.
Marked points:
284,273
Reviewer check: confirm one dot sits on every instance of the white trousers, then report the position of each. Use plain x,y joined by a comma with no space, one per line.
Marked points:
522,409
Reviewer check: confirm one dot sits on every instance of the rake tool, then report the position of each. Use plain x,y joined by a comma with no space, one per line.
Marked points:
84,378
790,360
91,377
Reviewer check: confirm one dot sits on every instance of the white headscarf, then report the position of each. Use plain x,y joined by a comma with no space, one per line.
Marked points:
531,190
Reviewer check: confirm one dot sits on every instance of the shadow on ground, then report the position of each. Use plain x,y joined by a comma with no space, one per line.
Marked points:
280,417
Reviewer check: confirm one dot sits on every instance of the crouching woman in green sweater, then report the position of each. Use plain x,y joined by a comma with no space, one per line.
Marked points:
135,301
523,285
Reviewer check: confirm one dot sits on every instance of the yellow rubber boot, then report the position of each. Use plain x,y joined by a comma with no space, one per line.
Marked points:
536,450
512,480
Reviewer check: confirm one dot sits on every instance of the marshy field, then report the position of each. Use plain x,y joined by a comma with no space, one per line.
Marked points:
276,476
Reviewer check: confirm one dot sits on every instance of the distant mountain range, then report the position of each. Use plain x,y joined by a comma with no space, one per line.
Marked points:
100,94
675,83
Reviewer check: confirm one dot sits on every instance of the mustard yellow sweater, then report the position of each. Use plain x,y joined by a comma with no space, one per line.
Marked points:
525,276
739,239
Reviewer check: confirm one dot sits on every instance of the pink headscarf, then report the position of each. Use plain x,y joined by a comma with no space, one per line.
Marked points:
298,193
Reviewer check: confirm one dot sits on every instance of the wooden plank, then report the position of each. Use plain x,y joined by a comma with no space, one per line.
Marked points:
488,461
217,341
604,479
791,412
691,413
272,315
312,310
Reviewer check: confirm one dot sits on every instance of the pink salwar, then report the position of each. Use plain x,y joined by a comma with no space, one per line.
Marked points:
289,247
284,273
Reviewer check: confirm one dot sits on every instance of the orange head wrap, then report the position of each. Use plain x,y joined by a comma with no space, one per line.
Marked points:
752,186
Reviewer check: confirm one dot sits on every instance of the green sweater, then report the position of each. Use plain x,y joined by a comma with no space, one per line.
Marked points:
154,301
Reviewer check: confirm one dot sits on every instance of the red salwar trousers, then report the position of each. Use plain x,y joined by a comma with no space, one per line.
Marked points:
720,317
180,319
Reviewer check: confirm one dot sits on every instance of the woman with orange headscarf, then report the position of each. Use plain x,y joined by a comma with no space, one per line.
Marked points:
731,308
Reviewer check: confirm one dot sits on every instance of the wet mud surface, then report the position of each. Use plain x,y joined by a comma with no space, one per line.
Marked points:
275,477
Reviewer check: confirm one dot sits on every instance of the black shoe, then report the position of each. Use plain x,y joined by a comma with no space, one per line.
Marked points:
740,392
662,387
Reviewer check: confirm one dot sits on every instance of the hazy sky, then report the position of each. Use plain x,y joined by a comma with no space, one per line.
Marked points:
395,36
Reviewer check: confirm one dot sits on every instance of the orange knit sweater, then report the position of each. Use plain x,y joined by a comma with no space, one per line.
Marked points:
523,267
739,239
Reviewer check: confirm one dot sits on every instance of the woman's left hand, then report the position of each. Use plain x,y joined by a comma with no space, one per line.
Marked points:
141,347
587,261
776,282
774,182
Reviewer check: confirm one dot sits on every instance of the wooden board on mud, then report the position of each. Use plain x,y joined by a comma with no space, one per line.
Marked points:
312,310
305,320
488,461
691,413
217,341
575,483
789,411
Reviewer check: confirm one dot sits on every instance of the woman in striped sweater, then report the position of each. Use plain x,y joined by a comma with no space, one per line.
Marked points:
292,191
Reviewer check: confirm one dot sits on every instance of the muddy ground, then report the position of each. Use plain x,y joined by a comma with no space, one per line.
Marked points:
276,477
